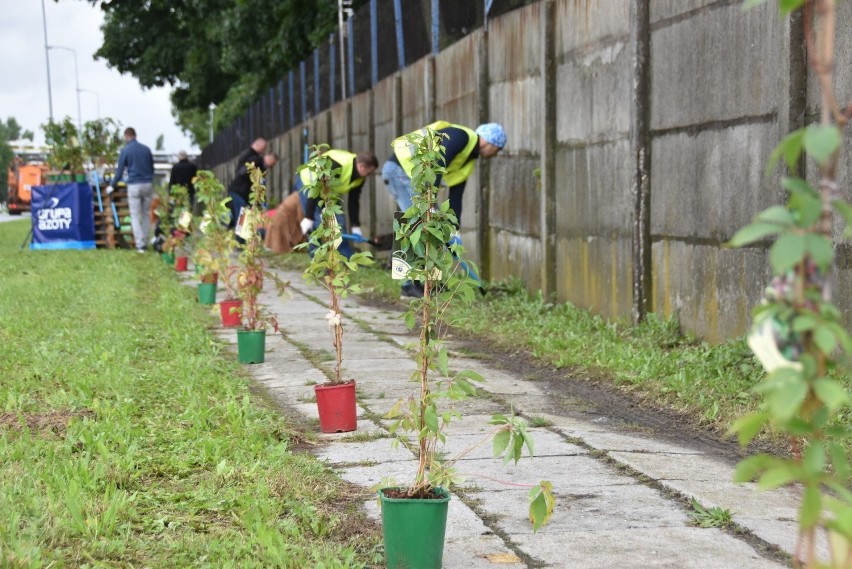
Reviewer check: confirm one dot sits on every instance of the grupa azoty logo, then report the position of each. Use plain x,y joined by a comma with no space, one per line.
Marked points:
54,218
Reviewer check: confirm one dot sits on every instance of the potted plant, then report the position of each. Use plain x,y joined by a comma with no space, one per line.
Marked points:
331,269
212,256
414,516
66,153
251,339
102,142
181,225
163,211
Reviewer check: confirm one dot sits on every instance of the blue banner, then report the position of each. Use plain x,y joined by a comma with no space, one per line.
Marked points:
63,217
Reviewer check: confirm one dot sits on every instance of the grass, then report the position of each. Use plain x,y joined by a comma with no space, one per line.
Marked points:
128,437
709,517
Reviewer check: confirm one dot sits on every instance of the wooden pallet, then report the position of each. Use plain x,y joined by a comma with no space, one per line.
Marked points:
107,235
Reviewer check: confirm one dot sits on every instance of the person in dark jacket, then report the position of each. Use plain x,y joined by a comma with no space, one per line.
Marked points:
182,174
137,159
254,152
240,188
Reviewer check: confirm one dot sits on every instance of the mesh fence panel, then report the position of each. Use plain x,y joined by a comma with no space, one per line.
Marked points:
362,56
388,57
294,99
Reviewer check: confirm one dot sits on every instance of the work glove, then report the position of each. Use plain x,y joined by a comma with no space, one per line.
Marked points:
306,225
357,231
110,190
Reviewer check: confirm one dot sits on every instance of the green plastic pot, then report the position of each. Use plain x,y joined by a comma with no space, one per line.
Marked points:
414,530
169,258
207,293
251,345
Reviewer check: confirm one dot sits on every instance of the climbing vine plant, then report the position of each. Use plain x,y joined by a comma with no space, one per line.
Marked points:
798,332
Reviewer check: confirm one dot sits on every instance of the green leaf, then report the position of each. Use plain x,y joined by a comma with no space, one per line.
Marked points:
777,214
811,509
748,468
787,251
787,6
538,511
430,416
747,427
797,185
501,442
803,322
790,148
825,340
749,4
814,458
831,393
839,460
442,362
787,401
820,250
751,233
776,477
821,141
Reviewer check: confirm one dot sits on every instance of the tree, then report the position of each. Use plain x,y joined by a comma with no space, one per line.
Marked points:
218,51
9,130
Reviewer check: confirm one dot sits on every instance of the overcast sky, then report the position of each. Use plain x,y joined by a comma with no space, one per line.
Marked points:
75,24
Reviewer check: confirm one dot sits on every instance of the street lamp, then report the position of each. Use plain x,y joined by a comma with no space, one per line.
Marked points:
97,96
77,79
47,59
212,108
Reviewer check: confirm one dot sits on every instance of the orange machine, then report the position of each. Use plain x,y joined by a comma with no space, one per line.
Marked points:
22,177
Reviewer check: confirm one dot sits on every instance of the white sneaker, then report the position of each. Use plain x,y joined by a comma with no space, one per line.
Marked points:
140,251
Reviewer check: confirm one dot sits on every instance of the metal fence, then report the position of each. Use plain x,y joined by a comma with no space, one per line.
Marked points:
381,38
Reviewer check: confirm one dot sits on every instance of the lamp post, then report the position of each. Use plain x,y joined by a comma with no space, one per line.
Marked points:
212,108
77,79
47,59
97,96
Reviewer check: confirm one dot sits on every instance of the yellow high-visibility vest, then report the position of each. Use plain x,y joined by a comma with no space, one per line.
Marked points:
343,183
458,170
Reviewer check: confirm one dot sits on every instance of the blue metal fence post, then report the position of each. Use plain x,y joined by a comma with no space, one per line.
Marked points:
316,82
302,65
292,92
332,68
436,27
374,42
400,40
350,40
281,124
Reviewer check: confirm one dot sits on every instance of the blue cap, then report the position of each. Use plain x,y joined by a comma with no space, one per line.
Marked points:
492,133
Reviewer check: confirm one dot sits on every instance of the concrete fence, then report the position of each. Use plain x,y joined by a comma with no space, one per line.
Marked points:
638,133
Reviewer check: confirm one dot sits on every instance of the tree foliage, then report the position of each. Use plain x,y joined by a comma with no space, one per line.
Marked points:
212,51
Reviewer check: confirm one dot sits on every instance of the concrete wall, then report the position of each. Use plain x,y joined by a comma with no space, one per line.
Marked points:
560,207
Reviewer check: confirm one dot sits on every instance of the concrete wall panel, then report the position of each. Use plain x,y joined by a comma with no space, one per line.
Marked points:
593,192
581,23
516,255
596,274
515,45
697,77
709,184
593,92
711,290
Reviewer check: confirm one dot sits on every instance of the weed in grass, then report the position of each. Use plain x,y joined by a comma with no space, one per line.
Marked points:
538,421
709,517
364,437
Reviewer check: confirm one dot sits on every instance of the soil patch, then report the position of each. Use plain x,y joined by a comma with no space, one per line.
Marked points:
44,423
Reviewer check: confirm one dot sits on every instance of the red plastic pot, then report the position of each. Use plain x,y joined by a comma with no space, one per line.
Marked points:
336,405
230,312
181,263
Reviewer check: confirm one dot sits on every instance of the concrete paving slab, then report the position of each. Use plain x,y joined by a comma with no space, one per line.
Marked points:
643,548
546,444
569,474
602,508
378,451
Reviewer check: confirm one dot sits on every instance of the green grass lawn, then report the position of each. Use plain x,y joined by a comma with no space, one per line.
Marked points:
128,438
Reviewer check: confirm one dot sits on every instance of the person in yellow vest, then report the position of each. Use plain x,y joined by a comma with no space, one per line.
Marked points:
298,215
462,147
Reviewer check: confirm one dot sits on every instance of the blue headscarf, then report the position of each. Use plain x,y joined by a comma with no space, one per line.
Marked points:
492,133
